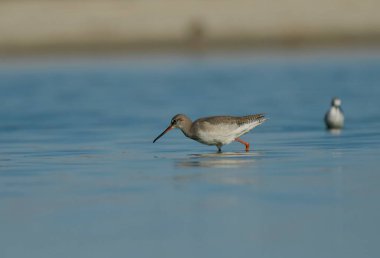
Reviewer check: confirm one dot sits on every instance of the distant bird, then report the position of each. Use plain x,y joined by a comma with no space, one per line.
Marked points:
334,118
216,130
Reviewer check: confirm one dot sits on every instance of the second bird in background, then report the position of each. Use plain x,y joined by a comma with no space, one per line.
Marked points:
334,118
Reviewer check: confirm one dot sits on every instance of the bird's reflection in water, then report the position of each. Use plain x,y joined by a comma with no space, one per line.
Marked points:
335,132
219,160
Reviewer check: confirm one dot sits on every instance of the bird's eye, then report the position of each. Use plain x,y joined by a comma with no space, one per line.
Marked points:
174,122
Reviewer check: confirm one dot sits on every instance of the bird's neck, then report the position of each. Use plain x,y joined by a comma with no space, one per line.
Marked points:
337,108
186,129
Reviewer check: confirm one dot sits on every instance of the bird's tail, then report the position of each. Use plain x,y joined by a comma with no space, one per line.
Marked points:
253,120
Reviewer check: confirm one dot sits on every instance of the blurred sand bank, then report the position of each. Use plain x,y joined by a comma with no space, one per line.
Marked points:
53,25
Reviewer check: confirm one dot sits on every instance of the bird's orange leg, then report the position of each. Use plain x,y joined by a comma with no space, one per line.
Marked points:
243,142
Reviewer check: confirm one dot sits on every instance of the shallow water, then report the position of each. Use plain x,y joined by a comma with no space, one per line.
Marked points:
80,177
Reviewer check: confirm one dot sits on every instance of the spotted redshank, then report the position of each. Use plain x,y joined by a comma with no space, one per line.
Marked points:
334,117
215,130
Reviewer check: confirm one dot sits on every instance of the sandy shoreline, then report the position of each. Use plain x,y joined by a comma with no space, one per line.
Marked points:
94,25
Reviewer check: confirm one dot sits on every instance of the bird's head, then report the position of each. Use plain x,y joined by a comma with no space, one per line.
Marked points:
336,102
178,121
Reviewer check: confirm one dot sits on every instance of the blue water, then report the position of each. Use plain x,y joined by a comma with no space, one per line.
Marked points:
80,176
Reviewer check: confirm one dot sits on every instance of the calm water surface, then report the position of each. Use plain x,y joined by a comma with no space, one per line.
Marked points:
80,177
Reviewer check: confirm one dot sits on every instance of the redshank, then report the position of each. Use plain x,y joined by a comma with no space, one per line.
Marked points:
216,130
334,117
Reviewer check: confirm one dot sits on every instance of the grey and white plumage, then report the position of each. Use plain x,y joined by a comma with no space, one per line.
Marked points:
216,130
334,118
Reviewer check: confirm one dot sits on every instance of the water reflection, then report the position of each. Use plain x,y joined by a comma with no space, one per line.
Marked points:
218,160
335,132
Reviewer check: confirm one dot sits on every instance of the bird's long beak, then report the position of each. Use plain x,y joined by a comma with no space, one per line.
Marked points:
164,132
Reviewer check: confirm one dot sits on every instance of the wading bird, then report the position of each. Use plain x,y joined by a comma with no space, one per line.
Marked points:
216,130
